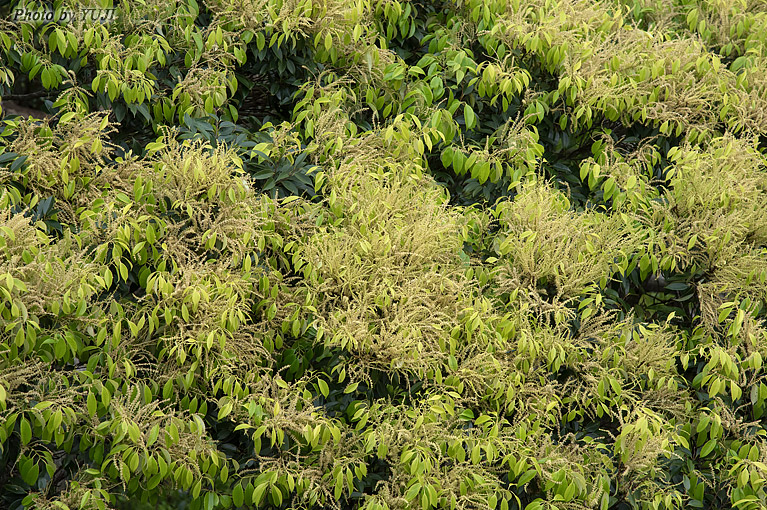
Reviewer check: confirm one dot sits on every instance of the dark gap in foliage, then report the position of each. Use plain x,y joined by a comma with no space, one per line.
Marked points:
255,101
466,190
763,143
269,80
655,297
163,499
28,93
289,175
379,470
564,155
409,47
397,388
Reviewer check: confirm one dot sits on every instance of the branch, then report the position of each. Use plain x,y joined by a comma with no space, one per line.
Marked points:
30,95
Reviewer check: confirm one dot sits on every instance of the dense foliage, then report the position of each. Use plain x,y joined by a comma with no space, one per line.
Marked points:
385,254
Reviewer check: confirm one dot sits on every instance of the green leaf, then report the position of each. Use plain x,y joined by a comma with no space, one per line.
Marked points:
339,487
584,171
323,388
526,477
91,404
469,116
259,492
447,157
154,433
26,431
708,447
18,162
276,496
413,491
570,491
238,495
535,505
154,481
703,423
29,472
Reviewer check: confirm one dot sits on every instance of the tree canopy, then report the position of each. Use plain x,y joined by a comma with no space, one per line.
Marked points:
384,254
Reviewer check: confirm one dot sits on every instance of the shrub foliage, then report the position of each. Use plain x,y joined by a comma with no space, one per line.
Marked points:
385,254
